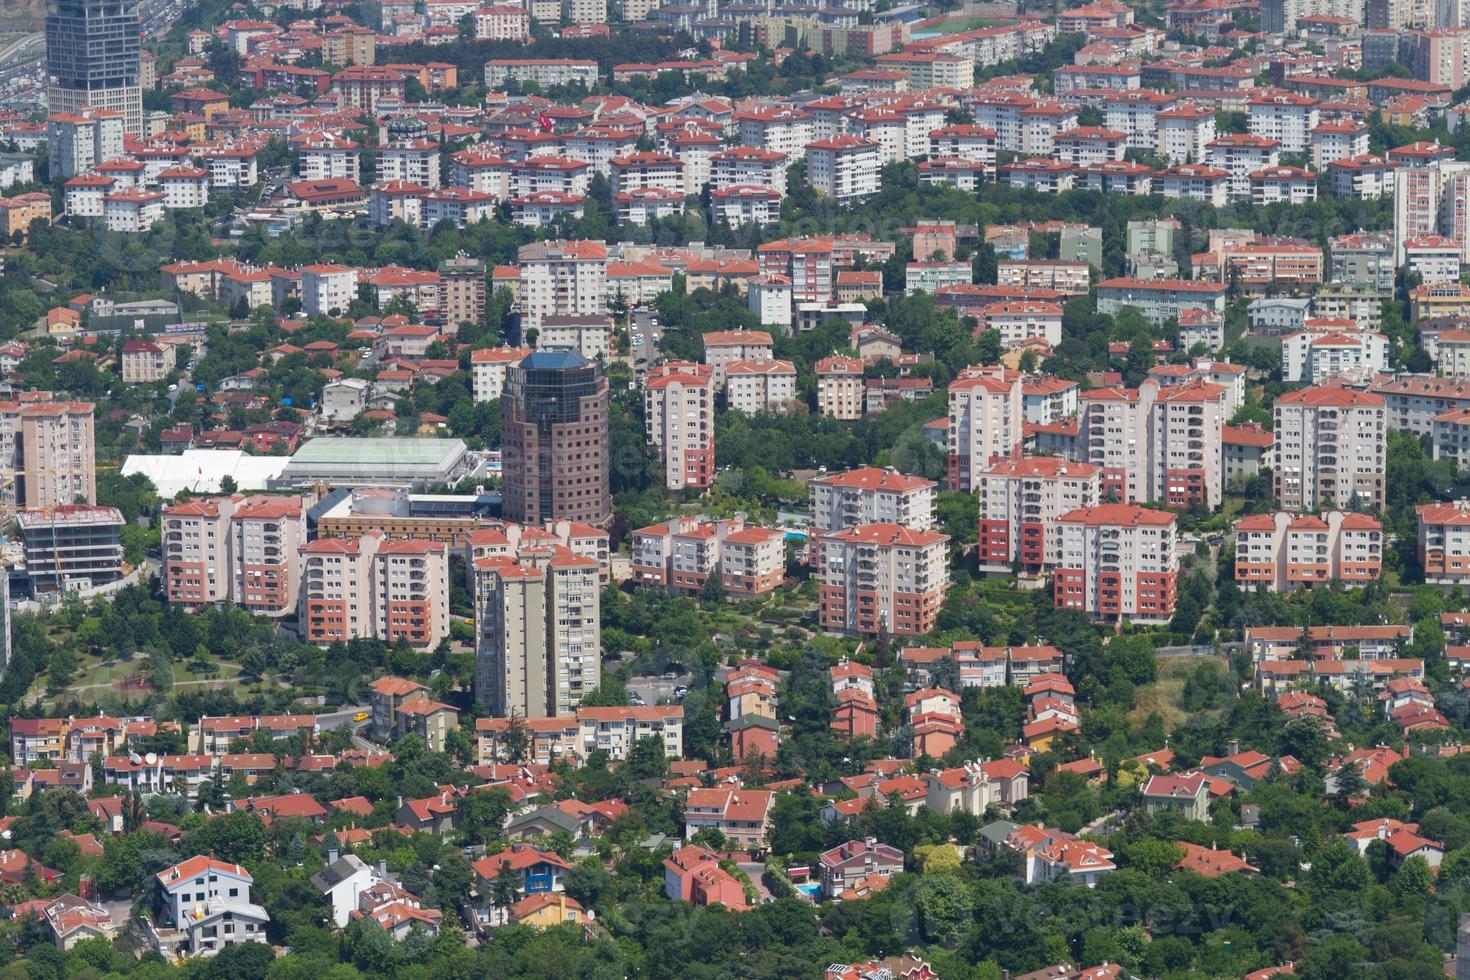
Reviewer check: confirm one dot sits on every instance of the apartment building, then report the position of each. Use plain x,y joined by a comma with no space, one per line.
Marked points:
1118,562
844,168
724,347
1023,322
241,549
1330,445
1020,502
743,816
487,370
71,546
615,730
1156,443
881,578
1332,348
327,290
538,645
1160,300
682,554
760,386
1444,542
869,495
679,407
1281,552
985,420
1286,117
48,453
562,278
840,390
375,587
146,361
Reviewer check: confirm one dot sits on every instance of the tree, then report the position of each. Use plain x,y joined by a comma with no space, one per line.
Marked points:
944,908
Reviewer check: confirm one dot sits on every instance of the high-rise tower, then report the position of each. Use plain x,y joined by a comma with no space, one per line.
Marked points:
92,51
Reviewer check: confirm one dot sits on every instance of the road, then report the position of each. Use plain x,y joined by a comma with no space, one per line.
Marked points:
336,719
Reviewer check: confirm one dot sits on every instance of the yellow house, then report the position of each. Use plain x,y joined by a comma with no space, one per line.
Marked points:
62,321
546,909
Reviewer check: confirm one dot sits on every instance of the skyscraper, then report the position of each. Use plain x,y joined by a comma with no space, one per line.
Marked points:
92,52
554,439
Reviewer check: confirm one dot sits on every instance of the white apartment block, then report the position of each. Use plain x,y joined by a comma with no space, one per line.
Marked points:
870,495
1330,446
748,166
844,168
78,142
615,730
374,587
327,290
679,408
562,278
1285,117
1314,355
985,422
785,131
1338,139
411,161
1020,322
1182,132
1021,501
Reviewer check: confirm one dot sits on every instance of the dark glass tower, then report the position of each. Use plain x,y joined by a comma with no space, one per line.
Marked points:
554,440
92,49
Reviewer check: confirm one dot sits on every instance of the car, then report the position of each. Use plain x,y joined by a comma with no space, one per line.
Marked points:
360,716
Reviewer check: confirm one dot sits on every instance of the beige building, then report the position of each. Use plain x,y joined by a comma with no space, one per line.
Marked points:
840,390
242,549
1157,443
1021,501
879,578
389,694
683,553
1452,358
429,720
1284,551
679,410
725,347
1330,445
760,386
538,646
372,586
50,450
487,370
1118,562
146,361
985,418
562,278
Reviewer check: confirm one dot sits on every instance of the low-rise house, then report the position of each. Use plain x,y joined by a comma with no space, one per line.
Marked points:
1188,794
693,874
207,904
849,864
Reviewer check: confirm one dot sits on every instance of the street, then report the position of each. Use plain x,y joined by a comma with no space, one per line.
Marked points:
644,323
